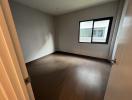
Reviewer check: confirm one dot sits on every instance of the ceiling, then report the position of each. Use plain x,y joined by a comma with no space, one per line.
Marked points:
57,7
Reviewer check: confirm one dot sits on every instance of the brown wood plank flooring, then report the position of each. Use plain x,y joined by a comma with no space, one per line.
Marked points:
66,77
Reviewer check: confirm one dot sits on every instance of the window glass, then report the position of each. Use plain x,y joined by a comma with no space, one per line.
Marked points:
85,31
100,31
96,30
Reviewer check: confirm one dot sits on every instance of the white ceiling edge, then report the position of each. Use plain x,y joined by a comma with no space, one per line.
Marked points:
114,1
56,9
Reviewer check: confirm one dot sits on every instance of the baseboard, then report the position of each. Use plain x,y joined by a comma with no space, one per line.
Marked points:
40,57
79,55
85,56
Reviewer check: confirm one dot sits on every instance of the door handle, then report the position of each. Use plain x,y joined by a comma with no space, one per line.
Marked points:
27,80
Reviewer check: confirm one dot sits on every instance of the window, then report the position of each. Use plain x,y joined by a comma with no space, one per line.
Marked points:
96,30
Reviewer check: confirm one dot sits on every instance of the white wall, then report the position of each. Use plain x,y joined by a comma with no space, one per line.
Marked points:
67,30
35,31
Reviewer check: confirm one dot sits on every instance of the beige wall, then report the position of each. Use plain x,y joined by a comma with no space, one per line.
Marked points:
120,82
35,30
67,30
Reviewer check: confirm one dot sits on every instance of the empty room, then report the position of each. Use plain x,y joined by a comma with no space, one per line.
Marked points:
69,50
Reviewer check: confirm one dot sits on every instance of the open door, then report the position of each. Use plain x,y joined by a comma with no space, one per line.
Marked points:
12,86
120,82
16,45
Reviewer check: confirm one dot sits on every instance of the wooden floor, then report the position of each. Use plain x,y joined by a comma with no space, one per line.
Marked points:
66,77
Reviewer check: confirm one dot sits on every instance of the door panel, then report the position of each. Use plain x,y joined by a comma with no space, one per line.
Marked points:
16,44
120,82
14,37
11,76
6,90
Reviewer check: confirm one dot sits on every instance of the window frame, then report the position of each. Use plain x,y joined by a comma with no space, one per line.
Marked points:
99,19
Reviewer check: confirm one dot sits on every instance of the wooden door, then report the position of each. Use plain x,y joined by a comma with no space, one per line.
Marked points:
120,82
6,89
12,86
16,45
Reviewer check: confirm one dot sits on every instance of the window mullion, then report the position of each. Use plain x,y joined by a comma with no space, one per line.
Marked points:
92,32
